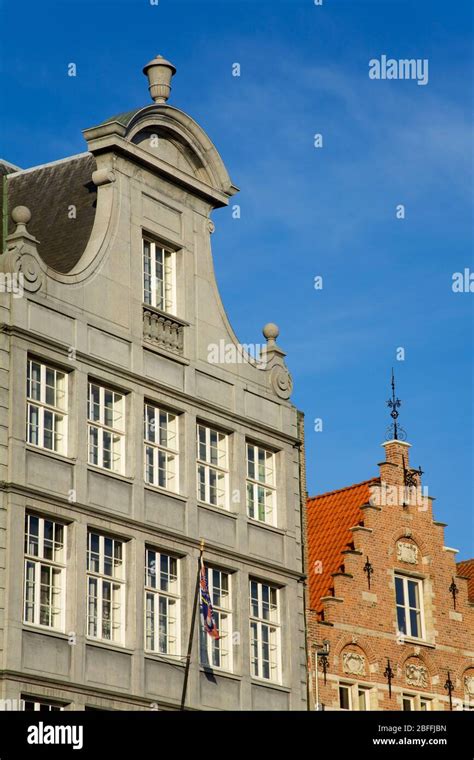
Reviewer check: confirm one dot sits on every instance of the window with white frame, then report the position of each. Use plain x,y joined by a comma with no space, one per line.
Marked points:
412,702
409,601
265,631
105,588
106,413
261,482
159,274
217,653
162,603
354,696
46,413
40,705
161,448
45,572
212,466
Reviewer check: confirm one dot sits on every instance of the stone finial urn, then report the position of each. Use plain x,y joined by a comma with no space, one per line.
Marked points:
159,72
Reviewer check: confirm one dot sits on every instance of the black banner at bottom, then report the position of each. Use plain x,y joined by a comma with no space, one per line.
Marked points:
96,734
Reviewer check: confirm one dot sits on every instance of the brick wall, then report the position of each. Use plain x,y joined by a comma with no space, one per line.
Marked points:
398,534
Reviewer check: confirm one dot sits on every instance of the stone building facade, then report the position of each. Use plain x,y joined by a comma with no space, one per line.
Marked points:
391,615
134,426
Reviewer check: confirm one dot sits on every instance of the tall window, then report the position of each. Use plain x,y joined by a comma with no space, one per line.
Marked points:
161,448
264,631
162,603
212,466
354,697
217,653
261,494
105,588
158,276
409,600
45,572
46,415
106,428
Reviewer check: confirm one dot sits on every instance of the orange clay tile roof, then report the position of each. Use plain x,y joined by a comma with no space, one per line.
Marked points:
466,569
329,518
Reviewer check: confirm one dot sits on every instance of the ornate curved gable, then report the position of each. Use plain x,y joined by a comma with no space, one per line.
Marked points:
161,136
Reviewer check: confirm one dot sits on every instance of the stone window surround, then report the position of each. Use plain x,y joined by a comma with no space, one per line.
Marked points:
117,432
205,467
170,283
48,705
117,582
258,622
54,564
271,486
226,610
354,687
421,578
417,698
58,411
172,596
170,450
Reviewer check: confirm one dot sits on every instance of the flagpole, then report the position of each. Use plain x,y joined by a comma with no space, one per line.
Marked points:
191,631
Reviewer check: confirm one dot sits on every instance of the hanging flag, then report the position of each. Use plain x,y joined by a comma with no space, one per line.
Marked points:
209,624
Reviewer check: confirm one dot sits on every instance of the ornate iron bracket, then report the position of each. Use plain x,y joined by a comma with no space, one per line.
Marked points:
324,660
454,591
412,476
369,570
388,673
449,686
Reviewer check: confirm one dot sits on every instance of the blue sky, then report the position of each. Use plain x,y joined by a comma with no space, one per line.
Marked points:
304,211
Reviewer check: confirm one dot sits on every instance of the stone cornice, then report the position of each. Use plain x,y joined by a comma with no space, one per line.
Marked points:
79,688
118,145
118,370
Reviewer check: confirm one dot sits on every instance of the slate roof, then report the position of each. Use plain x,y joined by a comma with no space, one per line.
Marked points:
329,519
122,118
49,191
465,568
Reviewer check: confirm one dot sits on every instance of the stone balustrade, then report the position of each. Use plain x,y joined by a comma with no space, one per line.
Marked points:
163,330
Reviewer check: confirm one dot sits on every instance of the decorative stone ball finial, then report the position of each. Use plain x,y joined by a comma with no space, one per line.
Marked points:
271,333
21,215
159,72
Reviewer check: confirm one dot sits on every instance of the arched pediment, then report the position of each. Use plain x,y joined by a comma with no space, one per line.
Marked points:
163,144
171,136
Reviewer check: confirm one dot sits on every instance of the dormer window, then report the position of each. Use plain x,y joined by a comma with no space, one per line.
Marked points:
159,289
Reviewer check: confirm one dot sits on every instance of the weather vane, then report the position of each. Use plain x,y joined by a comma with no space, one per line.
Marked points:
395,431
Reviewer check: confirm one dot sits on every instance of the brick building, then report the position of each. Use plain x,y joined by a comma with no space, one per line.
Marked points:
387,601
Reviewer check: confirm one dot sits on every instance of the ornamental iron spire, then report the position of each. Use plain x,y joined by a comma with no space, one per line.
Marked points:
394,431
